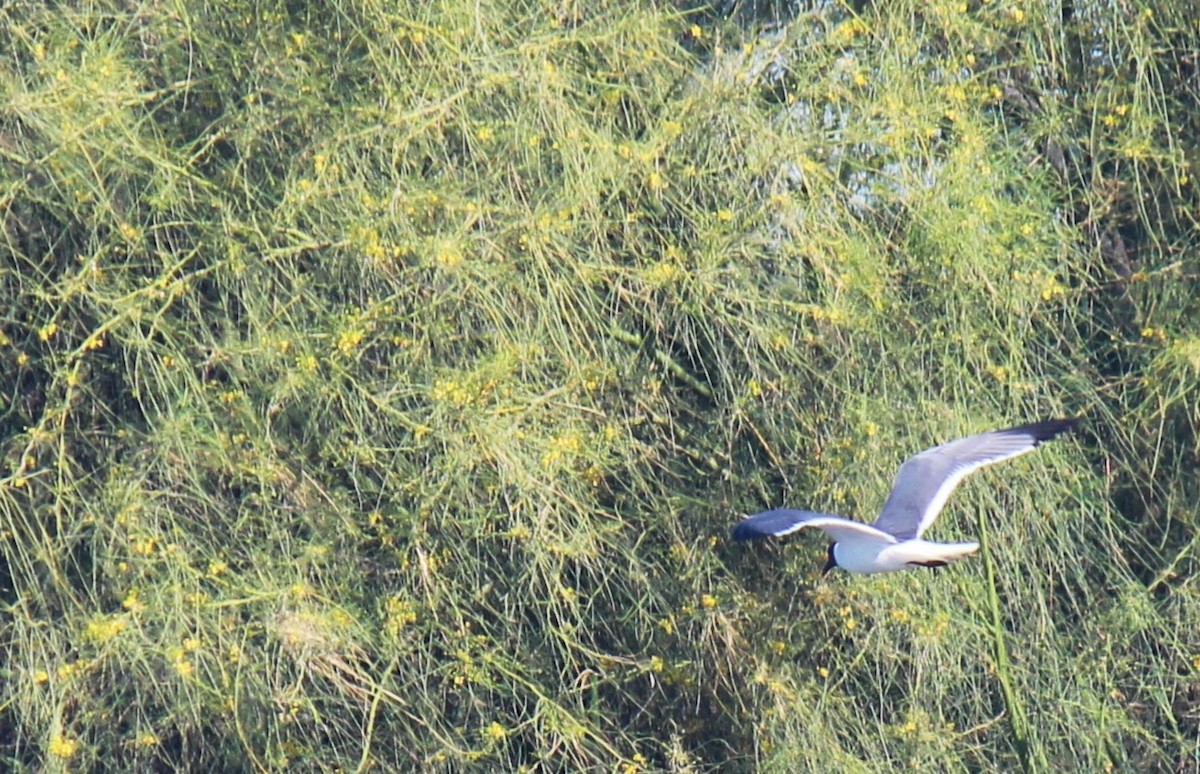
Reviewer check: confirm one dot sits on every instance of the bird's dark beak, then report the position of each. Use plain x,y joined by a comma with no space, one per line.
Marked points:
831,562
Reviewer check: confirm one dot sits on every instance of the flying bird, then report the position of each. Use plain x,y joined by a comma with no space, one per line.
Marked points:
922,486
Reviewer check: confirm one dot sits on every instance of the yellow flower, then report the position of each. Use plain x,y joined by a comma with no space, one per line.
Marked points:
132,603
449,256
496,732
63,748
183,667
451,391
69,671
102,628
661,273
349,340
849,30
1052,288
636,765
562,447
708,601
1150,332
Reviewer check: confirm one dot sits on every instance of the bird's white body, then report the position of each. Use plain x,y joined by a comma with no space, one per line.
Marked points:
922,486
867,555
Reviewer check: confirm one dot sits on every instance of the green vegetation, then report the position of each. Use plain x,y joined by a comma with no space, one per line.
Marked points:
379,381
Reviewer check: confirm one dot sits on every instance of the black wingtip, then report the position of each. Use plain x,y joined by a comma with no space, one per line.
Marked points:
744,531
774,523
1048,429
766,524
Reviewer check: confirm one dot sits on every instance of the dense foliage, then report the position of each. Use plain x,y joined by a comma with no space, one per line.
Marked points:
379,380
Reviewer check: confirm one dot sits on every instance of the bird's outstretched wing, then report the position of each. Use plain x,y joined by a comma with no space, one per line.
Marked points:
925,481
786,521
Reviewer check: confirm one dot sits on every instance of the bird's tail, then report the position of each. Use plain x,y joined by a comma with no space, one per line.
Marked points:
925,553
952,552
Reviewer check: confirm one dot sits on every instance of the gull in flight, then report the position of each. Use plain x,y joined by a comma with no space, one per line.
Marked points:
922,486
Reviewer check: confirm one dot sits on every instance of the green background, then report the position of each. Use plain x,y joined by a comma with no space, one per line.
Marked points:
379,382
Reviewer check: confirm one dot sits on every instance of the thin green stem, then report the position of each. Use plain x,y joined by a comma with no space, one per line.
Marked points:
1018,721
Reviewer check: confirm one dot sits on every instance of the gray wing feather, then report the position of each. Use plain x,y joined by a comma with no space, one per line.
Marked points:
785,521
925,481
